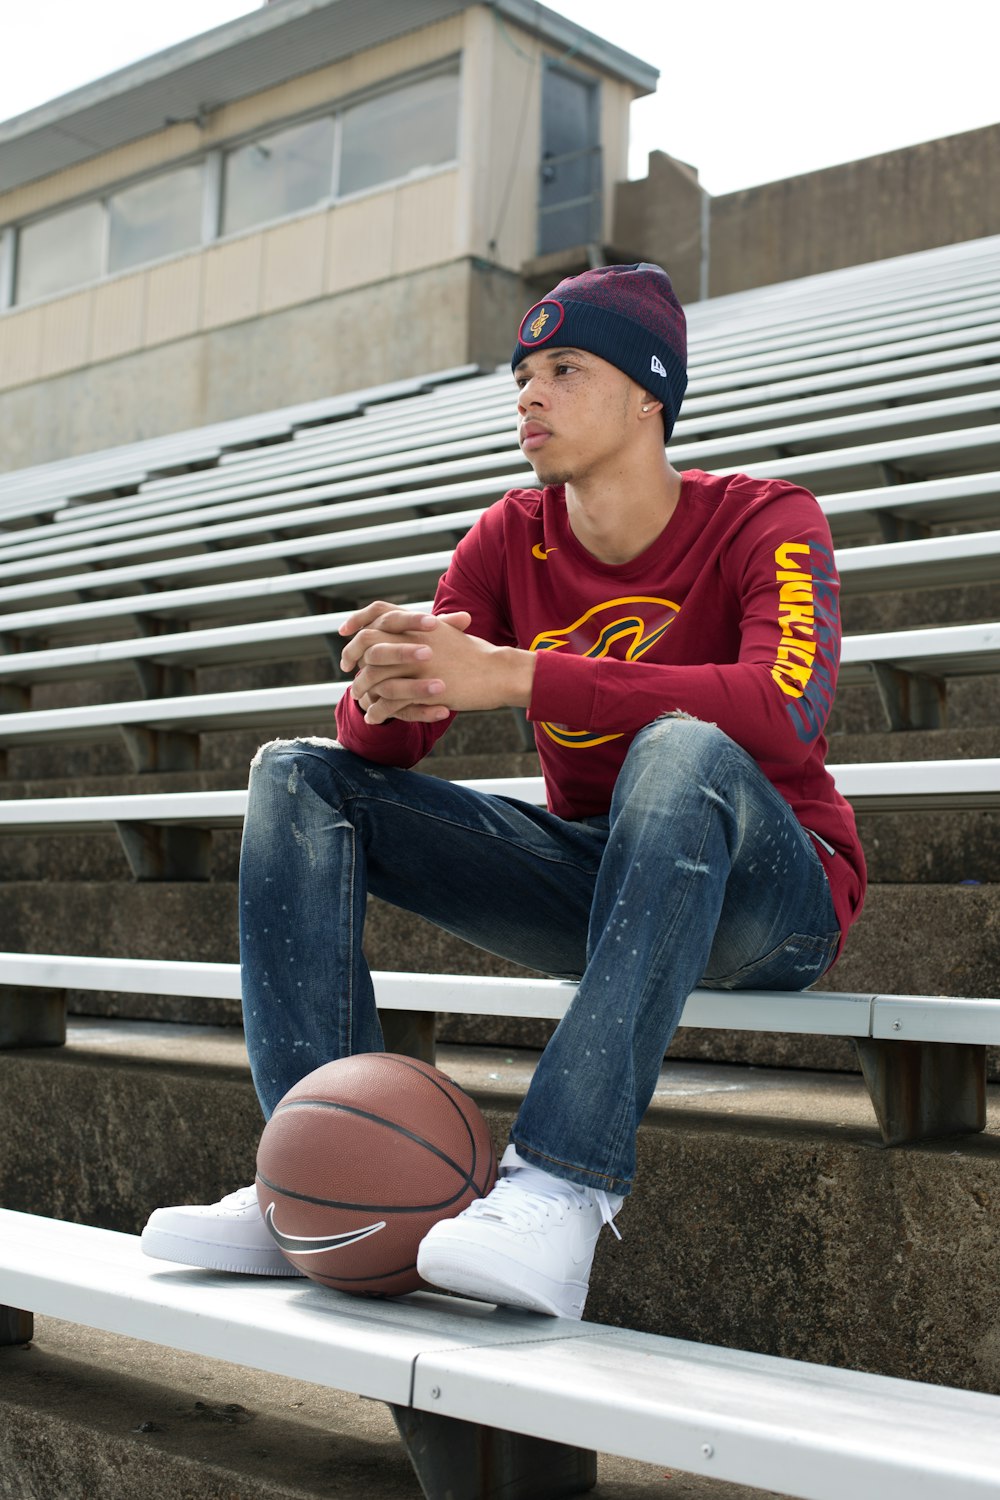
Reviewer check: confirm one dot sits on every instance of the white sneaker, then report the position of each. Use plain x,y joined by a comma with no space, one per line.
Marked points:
529,1243
227,1236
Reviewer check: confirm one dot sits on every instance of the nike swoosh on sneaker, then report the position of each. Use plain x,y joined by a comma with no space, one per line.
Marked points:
294,1244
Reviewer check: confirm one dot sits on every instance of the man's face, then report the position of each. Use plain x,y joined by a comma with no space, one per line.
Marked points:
575,413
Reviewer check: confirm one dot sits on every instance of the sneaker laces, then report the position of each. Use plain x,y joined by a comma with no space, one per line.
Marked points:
245,1197
526,1195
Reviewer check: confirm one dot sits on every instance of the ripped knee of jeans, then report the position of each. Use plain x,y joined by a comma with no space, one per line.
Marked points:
276,746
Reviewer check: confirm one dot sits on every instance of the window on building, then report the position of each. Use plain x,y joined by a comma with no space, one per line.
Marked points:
159,217
399,133
278,175
59,252
379,140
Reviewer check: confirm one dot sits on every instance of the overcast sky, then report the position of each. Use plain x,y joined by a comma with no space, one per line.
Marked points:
748,92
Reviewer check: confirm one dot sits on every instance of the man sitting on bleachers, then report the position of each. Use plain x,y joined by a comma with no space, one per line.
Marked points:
674,638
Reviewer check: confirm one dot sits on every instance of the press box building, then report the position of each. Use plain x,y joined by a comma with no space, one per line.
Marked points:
319,196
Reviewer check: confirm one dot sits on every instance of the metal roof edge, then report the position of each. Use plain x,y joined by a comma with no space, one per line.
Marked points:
157,65
550,25
273,17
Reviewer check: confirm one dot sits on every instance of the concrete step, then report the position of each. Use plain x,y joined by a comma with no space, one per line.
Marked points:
911,939
766,1215
221,752
938,847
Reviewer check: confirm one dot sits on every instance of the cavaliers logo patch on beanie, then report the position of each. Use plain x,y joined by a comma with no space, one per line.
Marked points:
628,315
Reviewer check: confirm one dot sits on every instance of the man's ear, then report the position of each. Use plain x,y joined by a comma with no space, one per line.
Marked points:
650,404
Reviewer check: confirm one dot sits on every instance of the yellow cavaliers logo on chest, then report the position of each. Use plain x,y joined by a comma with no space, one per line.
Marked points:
624,628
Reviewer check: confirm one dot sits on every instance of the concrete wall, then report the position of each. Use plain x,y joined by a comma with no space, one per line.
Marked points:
404,325
659,218
939,193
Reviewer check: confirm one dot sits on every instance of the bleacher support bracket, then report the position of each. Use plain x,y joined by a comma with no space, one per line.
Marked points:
468,1461
160,749
31,1017
923,1090
911,700
165,853
16,1326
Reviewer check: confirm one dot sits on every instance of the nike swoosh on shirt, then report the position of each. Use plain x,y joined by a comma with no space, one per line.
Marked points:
540,551
295,1244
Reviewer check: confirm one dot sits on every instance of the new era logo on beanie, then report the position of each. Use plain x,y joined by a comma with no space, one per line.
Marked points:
628,315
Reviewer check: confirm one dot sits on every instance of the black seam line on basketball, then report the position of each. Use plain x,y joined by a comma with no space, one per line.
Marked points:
365,1208
317,1244
335,1280
412,1067
364,1114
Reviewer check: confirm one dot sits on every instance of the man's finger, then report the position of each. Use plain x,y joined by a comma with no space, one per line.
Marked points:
362,617
388,627
396,689
394,653
460,619
381,710
390,617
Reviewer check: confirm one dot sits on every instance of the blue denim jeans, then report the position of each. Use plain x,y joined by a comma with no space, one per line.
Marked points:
700,874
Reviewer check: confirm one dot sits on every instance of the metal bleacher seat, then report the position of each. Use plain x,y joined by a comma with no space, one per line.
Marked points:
46,488
871,387
315,509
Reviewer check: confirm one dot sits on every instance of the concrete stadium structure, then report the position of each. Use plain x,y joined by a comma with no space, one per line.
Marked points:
167,605
207,458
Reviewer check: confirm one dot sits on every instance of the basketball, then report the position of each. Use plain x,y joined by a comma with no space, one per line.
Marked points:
357,1162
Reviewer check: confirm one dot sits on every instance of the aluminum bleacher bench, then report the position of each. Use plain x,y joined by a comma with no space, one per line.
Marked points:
923,1056
859,330
160,734
727,428
850,381
197,518
905,511
875,292
493,1402
899,511
740,432
851,362
939,561
377,489
889,461
46,488
369,542
890,786
305,470
709,415
934,1084
910,669
343,585
820,436
329,528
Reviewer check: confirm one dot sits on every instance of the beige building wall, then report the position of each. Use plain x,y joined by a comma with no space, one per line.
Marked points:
433,319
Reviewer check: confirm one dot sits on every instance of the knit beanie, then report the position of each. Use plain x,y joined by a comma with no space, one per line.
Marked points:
628,315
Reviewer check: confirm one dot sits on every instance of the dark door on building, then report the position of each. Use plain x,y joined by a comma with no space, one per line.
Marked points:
569,205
